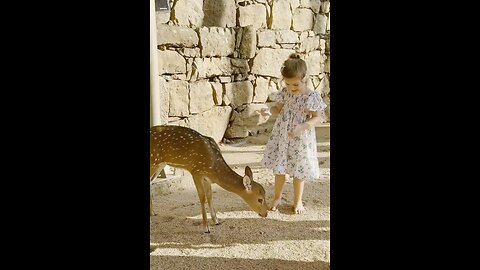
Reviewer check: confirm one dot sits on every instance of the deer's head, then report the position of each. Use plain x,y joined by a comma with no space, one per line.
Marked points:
254,194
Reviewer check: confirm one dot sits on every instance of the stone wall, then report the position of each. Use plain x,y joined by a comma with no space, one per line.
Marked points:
220,59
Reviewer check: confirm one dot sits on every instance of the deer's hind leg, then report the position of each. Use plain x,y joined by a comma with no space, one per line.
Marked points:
154,172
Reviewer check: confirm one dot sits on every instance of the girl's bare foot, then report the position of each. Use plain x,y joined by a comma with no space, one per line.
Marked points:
299,209
275,204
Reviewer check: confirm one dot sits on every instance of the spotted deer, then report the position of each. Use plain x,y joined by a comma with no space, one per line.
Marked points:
200,155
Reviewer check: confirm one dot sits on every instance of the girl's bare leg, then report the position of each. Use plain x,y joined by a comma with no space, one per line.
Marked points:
297,196
279,183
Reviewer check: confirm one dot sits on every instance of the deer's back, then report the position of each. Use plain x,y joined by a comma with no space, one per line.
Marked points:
183,147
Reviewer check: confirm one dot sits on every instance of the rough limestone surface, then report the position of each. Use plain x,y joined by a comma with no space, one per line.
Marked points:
294,4
162,17
247,121
325,7
273,87
316,82
217,41
281,14
310,83
266,38
328,23
188,12
320,26
302,19
327,65
220,13
212,123
327,46
326,99
262,90
269,61
248,44
255,15
313,60
239,93
309,44
191,52
324,86
178,36
164,99
171,62
225,79
322,45
201,97
178,96
209,67
286,36
217,93
313,4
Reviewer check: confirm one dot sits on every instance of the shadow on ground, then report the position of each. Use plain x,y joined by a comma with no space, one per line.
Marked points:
182,262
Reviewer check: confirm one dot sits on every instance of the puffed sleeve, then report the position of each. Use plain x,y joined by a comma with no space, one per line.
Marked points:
315,102
278,96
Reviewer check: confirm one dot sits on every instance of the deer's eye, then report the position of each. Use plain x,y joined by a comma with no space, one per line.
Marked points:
260,200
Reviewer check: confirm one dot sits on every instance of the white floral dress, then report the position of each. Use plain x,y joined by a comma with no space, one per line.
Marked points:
296,156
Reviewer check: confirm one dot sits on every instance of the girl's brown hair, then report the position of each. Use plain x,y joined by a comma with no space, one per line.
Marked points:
294,67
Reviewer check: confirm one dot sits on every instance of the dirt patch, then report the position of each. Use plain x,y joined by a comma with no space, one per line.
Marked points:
244,240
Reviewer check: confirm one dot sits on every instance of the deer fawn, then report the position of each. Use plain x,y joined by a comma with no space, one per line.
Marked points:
200,155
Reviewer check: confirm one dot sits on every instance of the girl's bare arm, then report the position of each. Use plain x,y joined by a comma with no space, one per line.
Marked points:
310,123
313,121
275,109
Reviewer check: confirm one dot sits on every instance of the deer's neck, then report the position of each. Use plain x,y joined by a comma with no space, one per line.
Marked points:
227,178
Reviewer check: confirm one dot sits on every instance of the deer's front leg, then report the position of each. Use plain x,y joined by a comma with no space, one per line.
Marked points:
208,192
201,195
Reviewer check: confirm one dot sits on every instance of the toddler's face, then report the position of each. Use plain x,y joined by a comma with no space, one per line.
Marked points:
294,85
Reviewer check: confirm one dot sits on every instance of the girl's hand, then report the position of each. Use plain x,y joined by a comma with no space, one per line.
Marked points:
297,130
277,108
264,112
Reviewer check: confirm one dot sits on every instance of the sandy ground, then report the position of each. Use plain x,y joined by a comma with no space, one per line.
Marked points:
244,240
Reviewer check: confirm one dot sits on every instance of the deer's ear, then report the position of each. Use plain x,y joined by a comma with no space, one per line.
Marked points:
247,182
248,172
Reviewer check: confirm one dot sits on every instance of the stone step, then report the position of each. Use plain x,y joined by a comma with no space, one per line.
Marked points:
323,132
172,183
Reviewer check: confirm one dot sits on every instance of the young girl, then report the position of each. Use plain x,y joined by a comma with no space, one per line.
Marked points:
292,146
